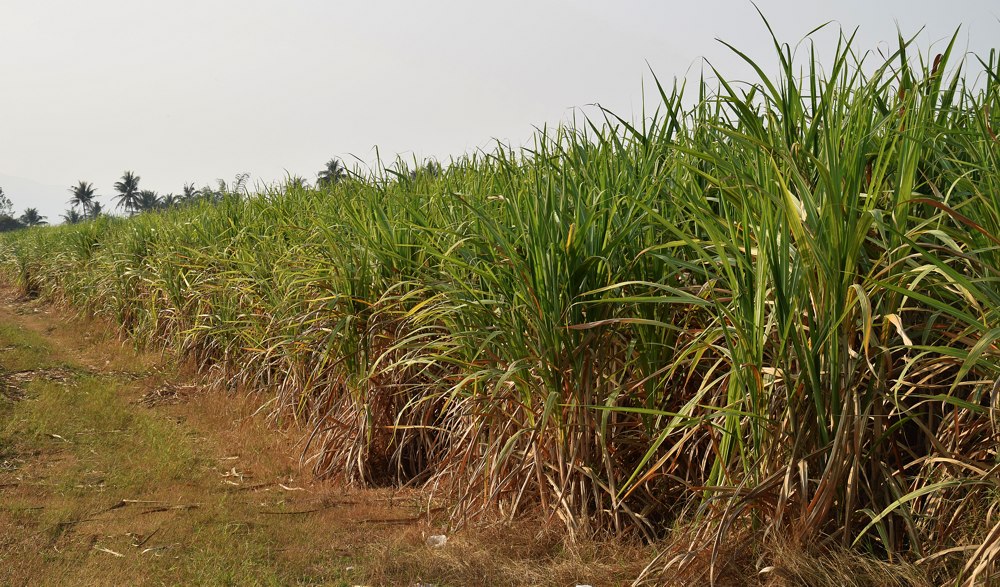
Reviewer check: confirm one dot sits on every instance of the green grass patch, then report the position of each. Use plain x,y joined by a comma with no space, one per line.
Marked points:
22,350
135,451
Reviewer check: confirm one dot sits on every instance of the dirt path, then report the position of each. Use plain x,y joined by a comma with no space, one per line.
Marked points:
116,469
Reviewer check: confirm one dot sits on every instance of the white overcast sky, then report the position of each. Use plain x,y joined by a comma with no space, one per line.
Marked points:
191,91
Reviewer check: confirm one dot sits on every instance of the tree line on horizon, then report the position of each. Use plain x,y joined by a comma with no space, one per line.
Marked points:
83,203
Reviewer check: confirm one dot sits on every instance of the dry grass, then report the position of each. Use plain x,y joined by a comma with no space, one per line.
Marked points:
518,554
690,558
793,567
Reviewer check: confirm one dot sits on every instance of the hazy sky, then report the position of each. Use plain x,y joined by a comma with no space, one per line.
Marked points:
196,90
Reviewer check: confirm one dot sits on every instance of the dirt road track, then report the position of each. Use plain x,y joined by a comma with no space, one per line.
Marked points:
117,468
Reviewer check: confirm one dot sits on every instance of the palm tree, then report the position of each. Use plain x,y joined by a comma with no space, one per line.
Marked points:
295,182
332,174
190,192
146,201
83,196
96,209
31,217
72,216
169,201
128,191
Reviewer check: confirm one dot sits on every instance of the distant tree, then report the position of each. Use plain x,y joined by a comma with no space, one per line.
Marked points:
147,200
96,210
433,168
83,196
222,188
235,189
31,217
169,201
210,194
332,174
296,182
430,168
6,208
128,192
71,216
7,221
190,192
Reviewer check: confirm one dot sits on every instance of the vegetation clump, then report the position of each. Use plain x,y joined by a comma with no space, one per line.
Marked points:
777,309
